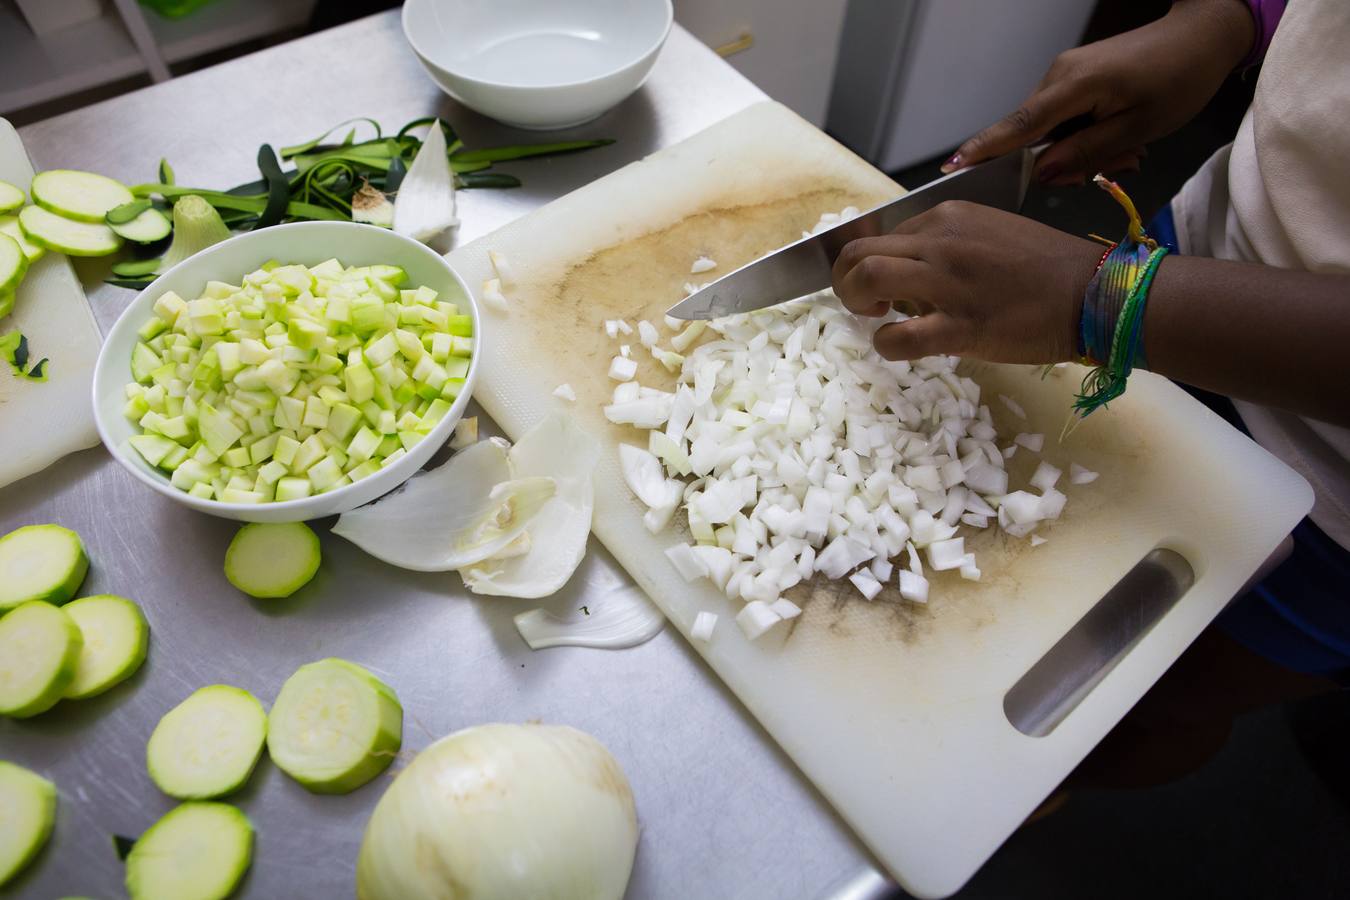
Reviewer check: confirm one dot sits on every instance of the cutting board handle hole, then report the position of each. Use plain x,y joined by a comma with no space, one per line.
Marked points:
1060,680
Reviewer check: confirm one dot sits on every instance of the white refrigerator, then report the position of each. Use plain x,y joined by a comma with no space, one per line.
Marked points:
914,78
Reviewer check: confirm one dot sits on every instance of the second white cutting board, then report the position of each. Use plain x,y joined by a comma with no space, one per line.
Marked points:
42,422
895,711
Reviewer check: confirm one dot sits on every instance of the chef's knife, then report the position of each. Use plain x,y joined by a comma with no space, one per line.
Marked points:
803,267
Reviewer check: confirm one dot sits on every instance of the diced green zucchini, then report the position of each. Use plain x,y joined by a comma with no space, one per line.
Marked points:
82,196
40,562
27,814
39,650
116,638
197,851
334,726
268,560
208,745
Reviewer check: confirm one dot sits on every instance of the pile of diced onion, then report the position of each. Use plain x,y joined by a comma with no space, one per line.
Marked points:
796,450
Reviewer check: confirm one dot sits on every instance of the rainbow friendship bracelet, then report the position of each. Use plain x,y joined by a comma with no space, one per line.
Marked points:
1111,330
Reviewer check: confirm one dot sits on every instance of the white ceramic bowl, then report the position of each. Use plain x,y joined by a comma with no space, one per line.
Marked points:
309,243
538,64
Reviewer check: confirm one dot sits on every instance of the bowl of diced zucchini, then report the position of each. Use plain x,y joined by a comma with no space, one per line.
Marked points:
289,373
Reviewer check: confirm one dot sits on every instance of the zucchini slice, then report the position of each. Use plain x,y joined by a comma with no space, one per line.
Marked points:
53,232
208,745
147,227
10,225
272,559
11,198
13,264
83,196
40,562
334,726
39,650
197,851
27,813
116,638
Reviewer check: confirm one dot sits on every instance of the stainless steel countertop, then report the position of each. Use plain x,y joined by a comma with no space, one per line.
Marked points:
724,813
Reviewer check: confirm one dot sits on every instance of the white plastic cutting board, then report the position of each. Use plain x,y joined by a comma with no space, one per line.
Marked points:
42,422
895,711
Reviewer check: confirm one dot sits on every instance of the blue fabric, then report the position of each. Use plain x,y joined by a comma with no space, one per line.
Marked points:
1299,615
1163,229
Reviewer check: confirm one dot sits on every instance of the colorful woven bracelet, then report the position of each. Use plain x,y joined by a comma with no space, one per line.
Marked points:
1111,327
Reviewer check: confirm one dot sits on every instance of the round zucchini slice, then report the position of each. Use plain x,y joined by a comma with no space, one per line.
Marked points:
83,196
53,232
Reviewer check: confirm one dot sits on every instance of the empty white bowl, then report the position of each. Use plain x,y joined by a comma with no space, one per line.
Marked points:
308,243
538,64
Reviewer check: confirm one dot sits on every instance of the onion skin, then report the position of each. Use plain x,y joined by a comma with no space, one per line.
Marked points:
499,812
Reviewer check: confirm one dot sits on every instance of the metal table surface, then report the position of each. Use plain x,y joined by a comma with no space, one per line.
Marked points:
724,813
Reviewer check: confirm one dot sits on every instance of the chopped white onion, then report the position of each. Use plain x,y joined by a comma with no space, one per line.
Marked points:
623,326
702,264
621,368
1045,476
1080,475
1037,540
796,450
492,295
866,583
502,268
647,333
466,433
756,618
565,391
1013,406
702,629
913,587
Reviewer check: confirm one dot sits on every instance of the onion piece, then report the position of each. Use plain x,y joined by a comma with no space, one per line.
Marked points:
466,433
502,268
756,618
702,264
492,296
1032,442
1080,475
425,204
452,516
702,629
617,615
554,448
566,392
1013,406
913,587
1045,476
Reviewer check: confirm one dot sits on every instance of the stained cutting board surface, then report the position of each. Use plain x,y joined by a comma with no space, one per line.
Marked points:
42,422
894,710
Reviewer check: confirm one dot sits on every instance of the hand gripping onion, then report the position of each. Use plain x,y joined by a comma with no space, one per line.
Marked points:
500,812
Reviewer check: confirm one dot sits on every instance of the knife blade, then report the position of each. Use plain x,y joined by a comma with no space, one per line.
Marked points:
803,266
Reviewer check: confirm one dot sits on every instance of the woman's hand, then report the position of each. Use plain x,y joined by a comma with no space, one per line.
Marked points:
1136,87
985,283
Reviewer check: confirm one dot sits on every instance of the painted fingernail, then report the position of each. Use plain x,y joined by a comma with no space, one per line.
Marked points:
952,164
1049,173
